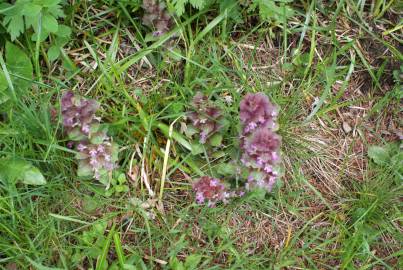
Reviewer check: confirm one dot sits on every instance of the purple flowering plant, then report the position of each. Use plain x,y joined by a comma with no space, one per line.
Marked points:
206,121
256,111
96,153
156,16
260,144
211,191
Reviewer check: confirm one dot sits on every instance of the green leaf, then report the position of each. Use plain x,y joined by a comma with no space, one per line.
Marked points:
18,63
61,41
81,155
269,11
95,127
175,135
32,21
84,170
190,131
9,10
53,53
197,148
3,83
104,177
233,8
97,138
199,4
31,10
226,169
122,188
13,170
56,11
49,23
63,31
3,96
179,6
175,264
76,135
192,261
90,204
109,192
115,152
39,266
33,176
102,262
216,140
397,159
218,154
380,155
122,178
3,100
48,3
15,26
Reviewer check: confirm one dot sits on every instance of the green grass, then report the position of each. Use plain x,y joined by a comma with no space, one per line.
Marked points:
326,213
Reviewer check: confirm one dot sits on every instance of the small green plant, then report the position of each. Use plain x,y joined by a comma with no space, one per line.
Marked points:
389,156
274,11
15,75
191,262
96,152
206,124
118,185
13,171
40,15
197,4
91,243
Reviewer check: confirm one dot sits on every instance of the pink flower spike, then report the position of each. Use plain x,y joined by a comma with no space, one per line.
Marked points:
205,117
214,182
268,169
70,144
93,153
256,108
199,197
86,128
260,144
251,126
211,190
101,148
81,147
94,162
259,161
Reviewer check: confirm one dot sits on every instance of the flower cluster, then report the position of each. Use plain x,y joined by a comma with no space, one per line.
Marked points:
260,144
212,191
256,111
156,16
97,155
205,117
78,115
96,159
